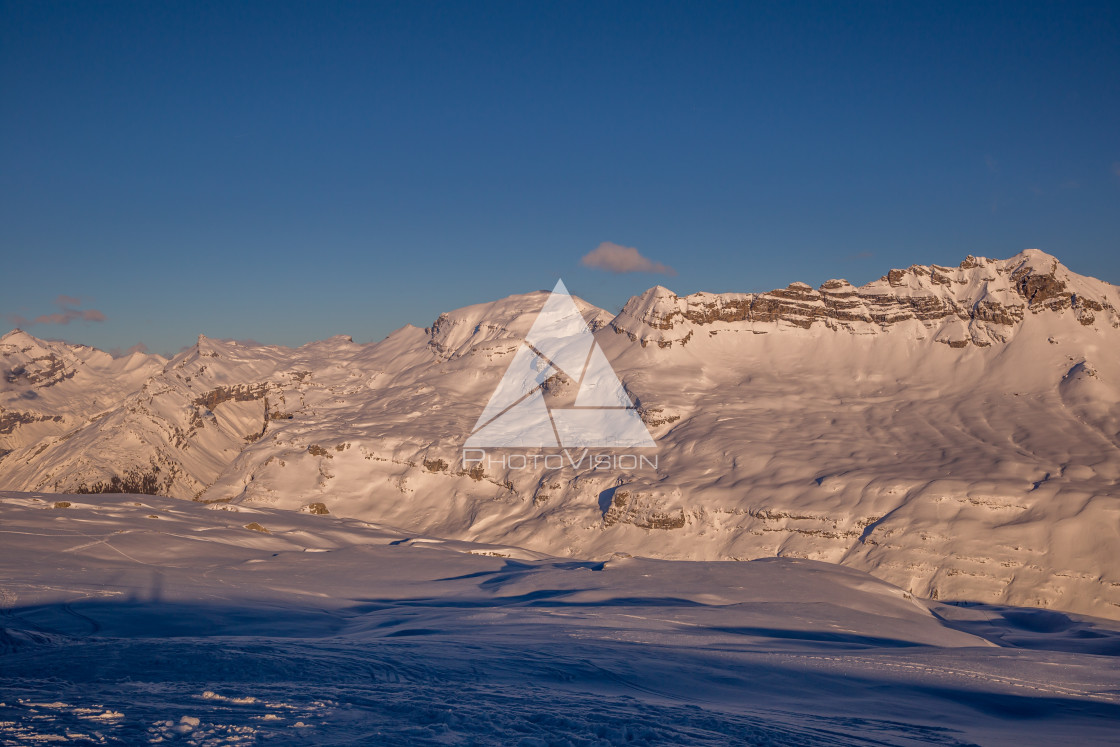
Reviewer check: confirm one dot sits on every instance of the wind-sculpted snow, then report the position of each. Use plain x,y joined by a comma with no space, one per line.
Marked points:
134,619
953,431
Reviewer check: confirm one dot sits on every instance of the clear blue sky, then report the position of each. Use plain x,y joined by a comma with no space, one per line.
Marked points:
287,171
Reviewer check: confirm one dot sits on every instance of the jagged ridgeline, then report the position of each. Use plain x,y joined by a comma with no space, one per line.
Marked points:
953,430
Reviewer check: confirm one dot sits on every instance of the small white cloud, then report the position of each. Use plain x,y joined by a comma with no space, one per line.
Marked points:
615,258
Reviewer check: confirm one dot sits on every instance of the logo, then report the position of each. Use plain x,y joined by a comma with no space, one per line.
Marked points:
559,342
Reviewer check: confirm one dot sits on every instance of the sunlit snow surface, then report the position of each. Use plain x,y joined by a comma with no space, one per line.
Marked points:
137,619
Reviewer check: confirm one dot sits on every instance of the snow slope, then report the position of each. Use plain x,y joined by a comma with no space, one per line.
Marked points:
134,619
953,431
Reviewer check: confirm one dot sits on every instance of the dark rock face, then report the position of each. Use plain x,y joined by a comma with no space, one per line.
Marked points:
637,510
1041,290
43,371
134,481
236,393
937,276
10,420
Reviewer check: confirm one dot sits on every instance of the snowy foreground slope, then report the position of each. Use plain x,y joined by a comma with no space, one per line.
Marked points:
952,431
138,619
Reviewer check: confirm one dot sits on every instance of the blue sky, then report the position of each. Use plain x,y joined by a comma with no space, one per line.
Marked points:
289,171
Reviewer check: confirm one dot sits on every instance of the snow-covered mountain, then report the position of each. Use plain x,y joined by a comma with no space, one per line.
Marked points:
953,431
49,388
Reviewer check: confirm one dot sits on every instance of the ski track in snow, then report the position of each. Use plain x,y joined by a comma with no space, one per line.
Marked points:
380,636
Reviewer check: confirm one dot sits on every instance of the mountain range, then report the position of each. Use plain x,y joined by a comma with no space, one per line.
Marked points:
954,431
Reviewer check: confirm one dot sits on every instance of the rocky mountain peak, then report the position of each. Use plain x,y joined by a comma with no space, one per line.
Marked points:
17,339
980,302
29,361
488,326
